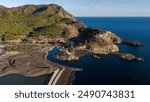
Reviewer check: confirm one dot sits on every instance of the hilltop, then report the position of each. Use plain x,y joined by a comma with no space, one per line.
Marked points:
19,22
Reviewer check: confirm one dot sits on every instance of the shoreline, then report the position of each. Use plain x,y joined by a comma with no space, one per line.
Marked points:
61,78
33,64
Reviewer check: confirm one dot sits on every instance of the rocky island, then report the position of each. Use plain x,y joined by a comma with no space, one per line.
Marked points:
28,32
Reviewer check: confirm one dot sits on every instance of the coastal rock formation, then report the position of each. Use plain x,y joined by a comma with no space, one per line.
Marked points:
66,56
108,37
127,56
97,42
92,40
107,48
38,28
133,43
103,42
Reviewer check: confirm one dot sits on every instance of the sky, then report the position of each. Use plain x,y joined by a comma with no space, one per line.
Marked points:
96,8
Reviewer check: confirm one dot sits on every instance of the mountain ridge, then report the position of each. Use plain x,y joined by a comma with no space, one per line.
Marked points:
47,10
18,22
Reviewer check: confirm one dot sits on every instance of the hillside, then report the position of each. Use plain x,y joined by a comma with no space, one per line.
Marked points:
19,22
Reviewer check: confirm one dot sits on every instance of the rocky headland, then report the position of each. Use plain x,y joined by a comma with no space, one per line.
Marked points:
96,42
24,50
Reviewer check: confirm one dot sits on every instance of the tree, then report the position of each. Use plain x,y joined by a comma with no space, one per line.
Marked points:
3,38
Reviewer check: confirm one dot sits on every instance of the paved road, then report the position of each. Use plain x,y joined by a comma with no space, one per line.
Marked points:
57,77
53,77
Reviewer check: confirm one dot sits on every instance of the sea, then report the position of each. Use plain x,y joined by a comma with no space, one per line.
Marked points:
107,70
111,70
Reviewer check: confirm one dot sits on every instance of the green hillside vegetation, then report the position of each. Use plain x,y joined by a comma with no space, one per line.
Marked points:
49,31
18,25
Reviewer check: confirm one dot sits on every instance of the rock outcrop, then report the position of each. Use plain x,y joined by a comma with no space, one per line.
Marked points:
97,42
91,40
66,56
104,43
107,48
127,56
133,43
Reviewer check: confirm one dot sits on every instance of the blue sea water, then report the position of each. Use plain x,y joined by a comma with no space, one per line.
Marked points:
110,70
